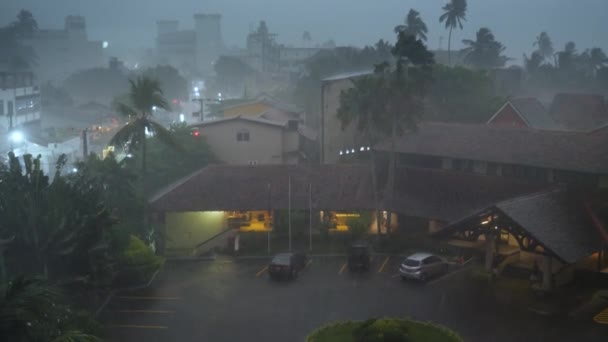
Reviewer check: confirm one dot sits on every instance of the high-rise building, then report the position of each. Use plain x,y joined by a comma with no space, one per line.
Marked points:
190,51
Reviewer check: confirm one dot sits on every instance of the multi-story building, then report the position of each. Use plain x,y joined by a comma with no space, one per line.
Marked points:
292,59
61,52
263,53
190,51
19,100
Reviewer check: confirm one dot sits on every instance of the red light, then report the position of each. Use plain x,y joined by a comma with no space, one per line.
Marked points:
174,101
196,133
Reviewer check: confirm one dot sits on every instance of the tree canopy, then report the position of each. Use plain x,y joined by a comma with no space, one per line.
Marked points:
485,51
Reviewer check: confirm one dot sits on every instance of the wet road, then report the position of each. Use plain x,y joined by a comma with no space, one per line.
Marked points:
235,301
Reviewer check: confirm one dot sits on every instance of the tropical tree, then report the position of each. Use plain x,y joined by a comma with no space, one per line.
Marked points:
306,38
533,63
591,60
144,95
544,46
454,14
485,51
413,25
566,59
25,23
60,228
173,85
32,310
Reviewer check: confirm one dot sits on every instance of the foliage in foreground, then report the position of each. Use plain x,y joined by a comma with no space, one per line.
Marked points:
383,330
138,263
31,310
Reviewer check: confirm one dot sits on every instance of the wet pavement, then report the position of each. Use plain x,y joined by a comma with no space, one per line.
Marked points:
228,300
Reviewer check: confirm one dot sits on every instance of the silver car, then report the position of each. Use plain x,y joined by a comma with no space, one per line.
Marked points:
422,266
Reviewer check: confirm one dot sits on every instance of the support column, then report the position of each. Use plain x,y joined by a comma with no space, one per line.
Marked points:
547,273
489,258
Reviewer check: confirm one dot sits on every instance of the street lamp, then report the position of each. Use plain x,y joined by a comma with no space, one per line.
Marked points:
16,137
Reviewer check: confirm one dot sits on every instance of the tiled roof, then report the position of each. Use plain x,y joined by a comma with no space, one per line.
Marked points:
556,219
534,113
347,75
572,151
263,187
582,112
448,195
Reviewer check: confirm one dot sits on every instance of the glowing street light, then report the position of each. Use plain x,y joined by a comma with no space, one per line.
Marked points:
182,118
105,44
16,137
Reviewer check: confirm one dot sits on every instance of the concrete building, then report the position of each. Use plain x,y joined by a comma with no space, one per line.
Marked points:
190,51
333,139
61,52
19,100
246,140
292,59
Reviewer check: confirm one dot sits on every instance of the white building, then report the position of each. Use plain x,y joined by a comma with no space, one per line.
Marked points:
19,100
61,52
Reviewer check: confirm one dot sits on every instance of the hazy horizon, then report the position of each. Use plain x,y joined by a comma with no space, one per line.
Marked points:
131,24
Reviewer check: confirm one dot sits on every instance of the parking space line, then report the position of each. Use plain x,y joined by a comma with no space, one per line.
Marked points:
130,326
342,269
381,269
147,311
148,298
308,263
260,272
395,275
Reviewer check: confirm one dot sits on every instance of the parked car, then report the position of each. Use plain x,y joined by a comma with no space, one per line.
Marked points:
422,266
287,265
359,256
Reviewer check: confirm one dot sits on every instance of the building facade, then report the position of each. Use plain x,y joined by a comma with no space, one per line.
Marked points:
335,140
190,51
61,52
19,100
244,140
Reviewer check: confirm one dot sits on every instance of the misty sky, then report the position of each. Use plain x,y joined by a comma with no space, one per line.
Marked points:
131,23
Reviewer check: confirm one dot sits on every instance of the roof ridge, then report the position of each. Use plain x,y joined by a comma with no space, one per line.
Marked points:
552,189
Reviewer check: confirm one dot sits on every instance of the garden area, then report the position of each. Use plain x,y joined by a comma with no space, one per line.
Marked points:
383,330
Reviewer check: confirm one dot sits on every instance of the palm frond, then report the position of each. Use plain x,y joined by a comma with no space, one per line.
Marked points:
125,110
76,336
130,135
163,135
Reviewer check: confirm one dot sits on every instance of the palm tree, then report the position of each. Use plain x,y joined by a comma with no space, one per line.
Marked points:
545,45
413,25
144,95
566,59
534,62
484,51
361,105
454,14
597,59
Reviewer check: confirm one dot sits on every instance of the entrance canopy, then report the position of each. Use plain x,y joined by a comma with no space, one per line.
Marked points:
551,222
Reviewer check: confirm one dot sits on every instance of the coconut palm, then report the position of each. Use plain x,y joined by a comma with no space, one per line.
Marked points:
144,95
454,14
485,51
413,25
545,45
566,59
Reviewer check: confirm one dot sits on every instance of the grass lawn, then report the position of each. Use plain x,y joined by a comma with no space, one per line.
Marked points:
418,332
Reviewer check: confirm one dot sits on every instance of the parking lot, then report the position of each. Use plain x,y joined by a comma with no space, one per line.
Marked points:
233,300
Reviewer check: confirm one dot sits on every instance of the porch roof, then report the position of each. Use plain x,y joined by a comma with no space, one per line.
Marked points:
555,219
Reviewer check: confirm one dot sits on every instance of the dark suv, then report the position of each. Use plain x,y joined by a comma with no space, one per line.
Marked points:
286,265
359,255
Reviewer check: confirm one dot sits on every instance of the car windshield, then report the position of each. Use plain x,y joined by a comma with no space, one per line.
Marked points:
281,260
411,263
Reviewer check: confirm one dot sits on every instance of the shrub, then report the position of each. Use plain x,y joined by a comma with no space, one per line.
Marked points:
381,330
138,263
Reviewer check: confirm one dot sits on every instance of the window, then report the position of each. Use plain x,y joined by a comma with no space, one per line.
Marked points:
242,136
1,107
492,169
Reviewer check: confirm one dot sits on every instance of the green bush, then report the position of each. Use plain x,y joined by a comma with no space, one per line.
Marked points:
138,263
381,330
385,330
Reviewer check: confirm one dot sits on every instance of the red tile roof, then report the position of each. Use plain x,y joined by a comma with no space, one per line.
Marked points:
582,112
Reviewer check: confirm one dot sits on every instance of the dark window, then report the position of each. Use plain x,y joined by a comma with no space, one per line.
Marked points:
242,136
457,164
492,169
1,107
468,165
9,106
260,217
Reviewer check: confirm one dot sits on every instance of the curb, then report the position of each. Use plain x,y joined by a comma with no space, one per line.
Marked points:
115,291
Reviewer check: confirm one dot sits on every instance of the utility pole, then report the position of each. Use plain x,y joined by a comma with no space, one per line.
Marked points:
310,217
85,144
289,210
